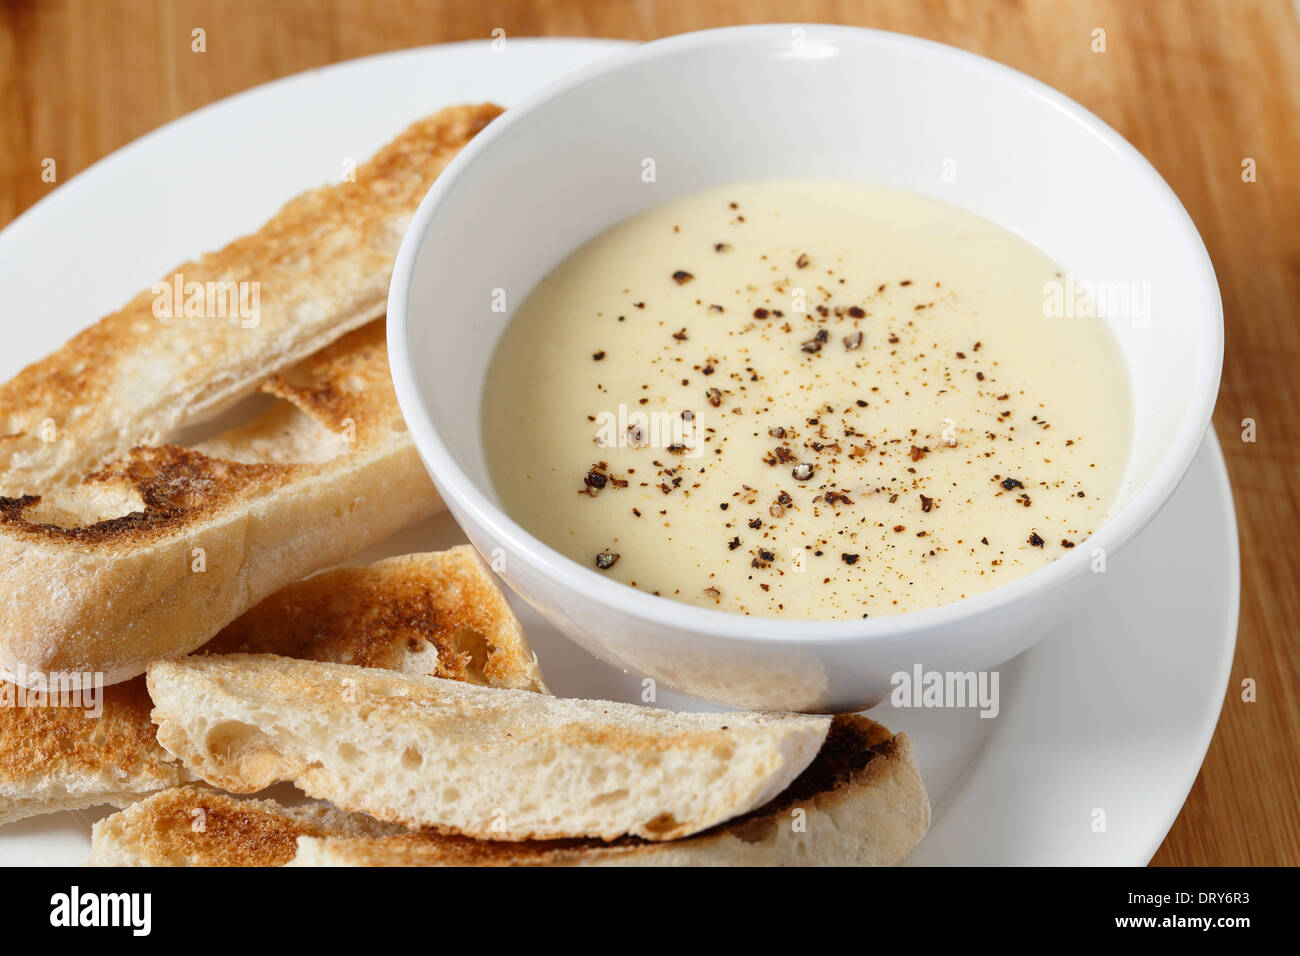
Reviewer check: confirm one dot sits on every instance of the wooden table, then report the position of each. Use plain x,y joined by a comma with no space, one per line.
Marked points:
1198,87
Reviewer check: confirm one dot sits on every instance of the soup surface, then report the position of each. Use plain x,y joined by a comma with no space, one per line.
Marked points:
807,399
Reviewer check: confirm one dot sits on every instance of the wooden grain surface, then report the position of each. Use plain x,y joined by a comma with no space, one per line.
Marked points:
1197,86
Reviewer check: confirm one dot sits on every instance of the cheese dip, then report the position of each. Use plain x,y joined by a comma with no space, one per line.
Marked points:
806,399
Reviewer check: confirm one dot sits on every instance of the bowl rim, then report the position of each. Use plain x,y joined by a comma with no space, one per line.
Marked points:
566,574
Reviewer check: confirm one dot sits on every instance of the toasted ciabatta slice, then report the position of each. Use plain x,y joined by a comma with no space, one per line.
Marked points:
321,268
493,764
438,614
859,803
66,757
195,826
151,556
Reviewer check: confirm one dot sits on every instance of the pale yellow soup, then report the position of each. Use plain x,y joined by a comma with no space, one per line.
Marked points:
806,399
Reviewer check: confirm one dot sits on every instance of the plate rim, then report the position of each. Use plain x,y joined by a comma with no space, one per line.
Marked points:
1228,503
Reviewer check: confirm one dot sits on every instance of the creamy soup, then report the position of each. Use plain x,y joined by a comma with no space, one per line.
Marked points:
806,400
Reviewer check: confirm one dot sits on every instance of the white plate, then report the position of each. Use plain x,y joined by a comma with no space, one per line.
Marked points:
1114,712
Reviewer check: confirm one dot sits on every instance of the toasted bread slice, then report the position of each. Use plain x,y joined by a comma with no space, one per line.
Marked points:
438,614
194,826
862,803
487,763
321,268
151,556
56,758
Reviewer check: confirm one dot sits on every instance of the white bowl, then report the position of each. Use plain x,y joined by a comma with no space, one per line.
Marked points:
808,101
